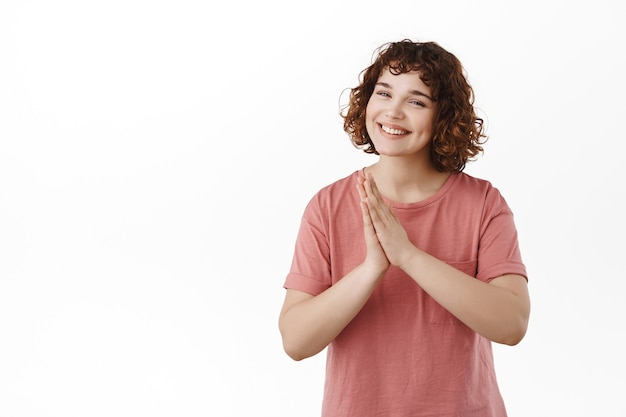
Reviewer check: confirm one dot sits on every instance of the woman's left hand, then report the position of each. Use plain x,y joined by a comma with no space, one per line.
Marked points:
391,234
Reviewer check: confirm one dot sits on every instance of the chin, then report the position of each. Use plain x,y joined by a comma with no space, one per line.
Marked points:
389,151
392,154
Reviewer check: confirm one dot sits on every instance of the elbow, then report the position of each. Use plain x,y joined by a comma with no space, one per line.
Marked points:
295,352
292,347
295,355
515,334
297,348
295,344
511,340
292,351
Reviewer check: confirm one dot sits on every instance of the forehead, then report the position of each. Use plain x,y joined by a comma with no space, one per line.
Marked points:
411,80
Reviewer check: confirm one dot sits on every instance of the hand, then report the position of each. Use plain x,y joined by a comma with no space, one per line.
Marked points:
389,232
375,258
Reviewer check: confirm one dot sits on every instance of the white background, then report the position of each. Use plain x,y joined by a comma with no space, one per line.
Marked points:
156,156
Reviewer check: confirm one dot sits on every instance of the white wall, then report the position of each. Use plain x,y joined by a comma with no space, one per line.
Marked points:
156,156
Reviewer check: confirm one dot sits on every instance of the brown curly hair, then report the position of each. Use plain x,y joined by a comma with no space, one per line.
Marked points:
459,133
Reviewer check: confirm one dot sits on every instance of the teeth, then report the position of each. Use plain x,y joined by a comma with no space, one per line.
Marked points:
393,131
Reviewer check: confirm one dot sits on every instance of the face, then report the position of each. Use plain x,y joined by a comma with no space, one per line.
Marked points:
400,115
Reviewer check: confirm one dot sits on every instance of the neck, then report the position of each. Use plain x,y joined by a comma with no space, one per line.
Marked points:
405,179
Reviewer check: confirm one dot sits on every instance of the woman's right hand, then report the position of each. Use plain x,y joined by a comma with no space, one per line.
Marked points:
376,259
308,323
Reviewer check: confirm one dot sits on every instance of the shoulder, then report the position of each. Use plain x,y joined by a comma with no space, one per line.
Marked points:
470,185
481,192
333,200
473,184
337,189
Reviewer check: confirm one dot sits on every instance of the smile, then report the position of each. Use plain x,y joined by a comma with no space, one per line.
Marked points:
392,131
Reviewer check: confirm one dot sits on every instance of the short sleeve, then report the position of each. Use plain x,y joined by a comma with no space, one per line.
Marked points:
310,270
499,251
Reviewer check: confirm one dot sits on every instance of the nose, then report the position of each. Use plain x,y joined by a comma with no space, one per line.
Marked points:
394,109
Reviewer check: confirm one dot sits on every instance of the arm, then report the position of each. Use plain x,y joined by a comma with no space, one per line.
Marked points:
498,310
309,323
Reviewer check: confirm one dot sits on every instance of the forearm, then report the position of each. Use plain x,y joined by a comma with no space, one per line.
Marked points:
498,312
309,323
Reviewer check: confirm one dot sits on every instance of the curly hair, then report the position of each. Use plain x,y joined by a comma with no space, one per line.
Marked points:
458,132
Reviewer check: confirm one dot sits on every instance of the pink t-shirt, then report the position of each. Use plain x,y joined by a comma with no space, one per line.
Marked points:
403,354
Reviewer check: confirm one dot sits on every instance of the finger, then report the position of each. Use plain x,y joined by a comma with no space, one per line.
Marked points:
367,208
376,217
372,197
367,220
361,189
369,229
381,212
374,187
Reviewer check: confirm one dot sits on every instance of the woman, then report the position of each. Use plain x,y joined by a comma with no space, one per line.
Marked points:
408,269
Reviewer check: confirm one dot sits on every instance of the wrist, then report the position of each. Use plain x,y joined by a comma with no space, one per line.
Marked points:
408,257
376,270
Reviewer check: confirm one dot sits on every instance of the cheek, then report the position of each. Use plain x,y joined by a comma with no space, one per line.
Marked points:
369,122
371,109
428,124
370,126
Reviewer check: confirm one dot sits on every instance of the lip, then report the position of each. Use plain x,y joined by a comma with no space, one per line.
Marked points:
393,127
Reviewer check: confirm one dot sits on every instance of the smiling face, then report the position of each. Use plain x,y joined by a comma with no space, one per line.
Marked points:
400,115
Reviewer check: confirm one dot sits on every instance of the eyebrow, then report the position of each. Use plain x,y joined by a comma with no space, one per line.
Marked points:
412,92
